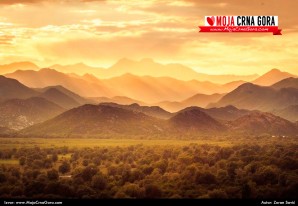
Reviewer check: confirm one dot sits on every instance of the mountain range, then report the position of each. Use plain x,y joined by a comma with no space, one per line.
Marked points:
9,68
254,97
199,100
21,106
153,111
106,121
157,88
221,114
13,89
97,121
164,91
148,67
49,77
118,100
49,103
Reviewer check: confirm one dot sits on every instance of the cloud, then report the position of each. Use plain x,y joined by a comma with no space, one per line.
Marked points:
95,31
96,49
10,2
6,39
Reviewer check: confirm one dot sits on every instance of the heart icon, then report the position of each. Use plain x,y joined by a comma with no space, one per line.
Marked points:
211,20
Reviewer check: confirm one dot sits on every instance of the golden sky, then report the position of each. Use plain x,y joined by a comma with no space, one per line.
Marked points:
99,33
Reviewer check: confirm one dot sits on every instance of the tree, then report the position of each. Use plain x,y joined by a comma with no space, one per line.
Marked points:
64,167
54,157
99,182
47,163
205,178
53,174
218,194
133,190
162,165
147,170
85,162
2,177
266,175
22,161
153,191
246,191
88,173
136,175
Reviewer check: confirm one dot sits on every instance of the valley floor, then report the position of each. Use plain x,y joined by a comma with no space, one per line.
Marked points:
222,141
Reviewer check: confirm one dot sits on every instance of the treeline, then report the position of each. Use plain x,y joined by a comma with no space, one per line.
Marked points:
193,171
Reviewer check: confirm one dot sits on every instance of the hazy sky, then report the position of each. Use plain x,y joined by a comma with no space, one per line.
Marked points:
99,33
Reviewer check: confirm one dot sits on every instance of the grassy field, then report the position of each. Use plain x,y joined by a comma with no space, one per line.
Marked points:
81,143
9,162
9,143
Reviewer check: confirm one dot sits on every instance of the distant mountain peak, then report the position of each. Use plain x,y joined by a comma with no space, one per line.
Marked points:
47,69
52,89
124,60
23,63
271,77
193,118
230,107
89,75
147,60
248,85
135,105
274,70
81,64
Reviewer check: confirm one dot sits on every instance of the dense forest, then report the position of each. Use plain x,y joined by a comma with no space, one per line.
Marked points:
248,170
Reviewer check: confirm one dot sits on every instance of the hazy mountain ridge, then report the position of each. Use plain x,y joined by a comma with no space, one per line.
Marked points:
148,67
199,100
50,77
21,106
69,93
132,119
254,97
192,119
8,68
260,122
118,100
153,111
54,95
20,113
227,113
157,88
11,88
289,113
272,77
103,121
286,83
96,120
